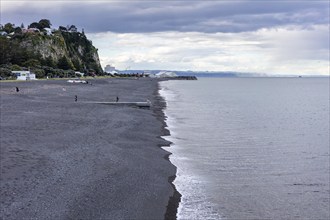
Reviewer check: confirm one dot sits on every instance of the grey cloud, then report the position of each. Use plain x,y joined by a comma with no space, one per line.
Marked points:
183,16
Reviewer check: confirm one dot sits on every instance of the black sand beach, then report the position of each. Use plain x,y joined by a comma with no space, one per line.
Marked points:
62,159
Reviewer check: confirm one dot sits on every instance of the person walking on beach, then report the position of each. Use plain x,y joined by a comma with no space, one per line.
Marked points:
117,99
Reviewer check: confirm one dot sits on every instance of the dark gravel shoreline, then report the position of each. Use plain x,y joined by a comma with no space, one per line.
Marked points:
174,200
62,159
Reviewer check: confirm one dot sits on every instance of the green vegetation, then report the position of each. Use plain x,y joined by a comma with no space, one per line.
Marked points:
56,53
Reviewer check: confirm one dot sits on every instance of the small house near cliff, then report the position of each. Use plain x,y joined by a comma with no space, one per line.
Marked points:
30,30
48,31
24,75
72,29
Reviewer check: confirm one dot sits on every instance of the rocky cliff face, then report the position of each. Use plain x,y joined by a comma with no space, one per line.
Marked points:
64,50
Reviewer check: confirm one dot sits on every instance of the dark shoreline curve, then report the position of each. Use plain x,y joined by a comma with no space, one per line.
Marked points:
175,199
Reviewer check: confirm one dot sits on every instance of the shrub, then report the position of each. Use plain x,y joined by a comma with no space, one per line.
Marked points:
5,73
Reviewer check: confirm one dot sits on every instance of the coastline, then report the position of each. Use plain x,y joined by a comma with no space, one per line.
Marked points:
174,200
66,159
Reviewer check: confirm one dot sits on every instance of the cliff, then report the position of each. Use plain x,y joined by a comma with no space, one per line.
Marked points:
58,49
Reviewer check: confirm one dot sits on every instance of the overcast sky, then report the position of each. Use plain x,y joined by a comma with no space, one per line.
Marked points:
261,36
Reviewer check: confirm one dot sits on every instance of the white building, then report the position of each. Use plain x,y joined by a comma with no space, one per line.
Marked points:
166,74
24,75
49,31
109,69
31,30
72,28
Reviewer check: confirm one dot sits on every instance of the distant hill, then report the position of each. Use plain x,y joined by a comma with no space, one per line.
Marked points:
47,51
197,73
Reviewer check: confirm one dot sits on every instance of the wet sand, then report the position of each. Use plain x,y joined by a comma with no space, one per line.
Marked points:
62,159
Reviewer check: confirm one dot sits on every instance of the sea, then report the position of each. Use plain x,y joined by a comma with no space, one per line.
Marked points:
250,148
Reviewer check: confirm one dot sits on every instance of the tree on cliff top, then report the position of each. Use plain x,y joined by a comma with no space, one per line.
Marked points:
34,25
9,28
44,23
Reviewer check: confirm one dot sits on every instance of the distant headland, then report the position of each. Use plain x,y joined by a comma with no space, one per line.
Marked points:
46,51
